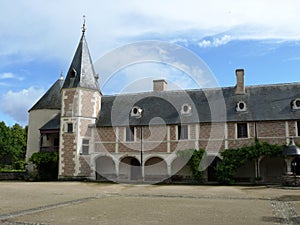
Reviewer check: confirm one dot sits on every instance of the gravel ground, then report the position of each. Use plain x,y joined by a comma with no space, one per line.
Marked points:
27,203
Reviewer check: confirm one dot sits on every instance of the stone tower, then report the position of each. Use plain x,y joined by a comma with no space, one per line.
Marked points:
81,102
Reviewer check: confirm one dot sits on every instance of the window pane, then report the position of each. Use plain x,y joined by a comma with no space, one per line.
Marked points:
298,128
242,130
85,146
85,149
129,133
70,128
182,132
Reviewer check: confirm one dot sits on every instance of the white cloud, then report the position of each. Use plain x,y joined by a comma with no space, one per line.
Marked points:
41,31
17,104
6,76
215,42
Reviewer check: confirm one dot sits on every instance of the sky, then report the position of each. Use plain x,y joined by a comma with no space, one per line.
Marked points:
38,40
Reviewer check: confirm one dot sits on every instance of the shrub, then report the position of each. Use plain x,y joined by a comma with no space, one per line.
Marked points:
47,164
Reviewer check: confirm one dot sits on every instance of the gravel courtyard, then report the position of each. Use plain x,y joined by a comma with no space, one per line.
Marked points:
96,203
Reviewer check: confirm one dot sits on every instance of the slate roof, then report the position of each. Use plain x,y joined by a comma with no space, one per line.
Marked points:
53,124
81,72
51,99
264,103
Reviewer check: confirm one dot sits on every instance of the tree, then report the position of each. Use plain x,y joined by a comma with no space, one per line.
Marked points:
12,145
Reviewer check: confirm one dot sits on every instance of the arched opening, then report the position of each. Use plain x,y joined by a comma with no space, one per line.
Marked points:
155,170
272,169
246,173
130,169
105,168
295,166
180,171
212,169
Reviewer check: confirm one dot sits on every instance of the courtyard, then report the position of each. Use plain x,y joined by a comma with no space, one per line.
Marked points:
98,203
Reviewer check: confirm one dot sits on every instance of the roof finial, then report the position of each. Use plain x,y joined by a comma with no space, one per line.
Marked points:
61,76
83,26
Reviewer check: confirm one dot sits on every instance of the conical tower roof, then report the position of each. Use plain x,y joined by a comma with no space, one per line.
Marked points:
52,98
81,72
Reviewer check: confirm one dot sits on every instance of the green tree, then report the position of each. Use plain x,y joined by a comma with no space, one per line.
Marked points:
12,145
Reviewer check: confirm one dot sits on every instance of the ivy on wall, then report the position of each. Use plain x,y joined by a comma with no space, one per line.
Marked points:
193,157
232,159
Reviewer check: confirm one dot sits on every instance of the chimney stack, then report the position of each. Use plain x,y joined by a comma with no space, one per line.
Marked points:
240,86
159,85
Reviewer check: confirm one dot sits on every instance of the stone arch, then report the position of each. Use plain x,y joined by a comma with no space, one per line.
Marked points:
212,168
246,173
272,169
105,168
155,169
129,169
180,171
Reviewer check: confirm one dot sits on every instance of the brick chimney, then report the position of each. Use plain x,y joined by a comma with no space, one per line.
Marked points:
240,86
159,85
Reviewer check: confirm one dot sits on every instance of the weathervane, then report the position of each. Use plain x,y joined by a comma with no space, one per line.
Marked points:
83,26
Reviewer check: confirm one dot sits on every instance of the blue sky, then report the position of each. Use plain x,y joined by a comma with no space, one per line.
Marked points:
38,40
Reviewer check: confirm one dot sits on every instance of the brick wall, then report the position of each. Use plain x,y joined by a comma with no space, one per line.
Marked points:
70,103
106,134
91,101
68,155
84,168
271,129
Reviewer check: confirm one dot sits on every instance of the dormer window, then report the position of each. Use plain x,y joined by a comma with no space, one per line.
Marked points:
296,103
136,111
186,109
241,106
73,73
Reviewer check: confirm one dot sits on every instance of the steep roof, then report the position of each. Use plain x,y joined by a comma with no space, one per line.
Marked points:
265,102
53,124
52,98
81,72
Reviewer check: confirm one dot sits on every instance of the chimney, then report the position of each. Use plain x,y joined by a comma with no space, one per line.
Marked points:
159,85
240,86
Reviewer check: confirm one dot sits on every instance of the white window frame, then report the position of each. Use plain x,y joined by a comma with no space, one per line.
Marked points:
85,145
188,132
125,134
236,130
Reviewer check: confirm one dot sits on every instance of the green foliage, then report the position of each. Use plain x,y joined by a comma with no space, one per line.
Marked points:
12,145
194,158
46,163
233,159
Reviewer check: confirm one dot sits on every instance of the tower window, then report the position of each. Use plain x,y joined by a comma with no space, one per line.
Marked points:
182,132
298,128
242,130
85,146
73,73
130,133
70,128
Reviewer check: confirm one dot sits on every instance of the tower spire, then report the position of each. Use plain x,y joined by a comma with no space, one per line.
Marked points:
83,26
